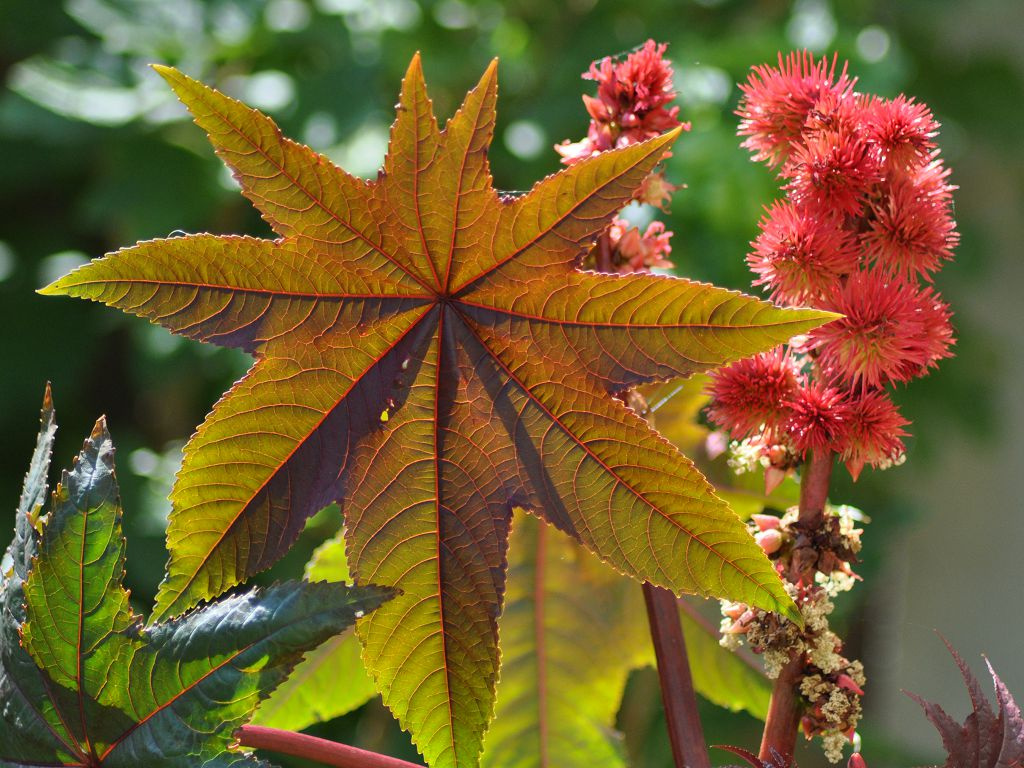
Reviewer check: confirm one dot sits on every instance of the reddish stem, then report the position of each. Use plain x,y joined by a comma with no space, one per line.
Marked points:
677,693
814,481
312,748
783,721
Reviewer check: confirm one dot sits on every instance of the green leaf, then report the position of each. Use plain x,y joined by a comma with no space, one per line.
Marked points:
429,355
311,693
723,677
571,632
89,685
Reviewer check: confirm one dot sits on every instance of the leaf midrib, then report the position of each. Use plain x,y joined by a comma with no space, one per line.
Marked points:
706,325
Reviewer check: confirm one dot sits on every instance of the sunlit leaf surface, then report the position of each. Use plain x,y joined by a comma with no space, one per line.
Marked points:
429,355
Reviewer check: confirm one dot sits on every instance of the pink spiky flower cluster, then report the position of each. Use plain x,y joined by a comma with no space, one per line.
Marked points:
865,224
632,105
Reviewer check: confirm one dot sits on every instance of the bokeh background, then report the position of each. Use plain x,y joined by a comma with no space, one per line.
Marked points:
95,153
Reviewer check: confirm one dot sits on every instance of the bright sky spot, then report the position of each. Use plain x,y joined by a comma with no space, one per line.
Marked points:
525,139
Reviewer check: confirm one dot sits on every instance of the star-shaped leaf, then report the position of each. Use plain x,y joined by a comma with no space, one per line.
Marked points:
82,683
429,355
986,739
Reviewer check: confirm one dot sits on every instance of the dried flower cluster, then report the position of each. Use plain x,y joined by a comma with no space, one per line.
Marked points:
817,567
866,223
632,105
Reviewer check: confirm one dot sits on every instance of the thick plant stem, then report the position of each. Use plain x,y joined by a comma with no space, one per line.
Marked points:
684,728
814,481
783,721
312,748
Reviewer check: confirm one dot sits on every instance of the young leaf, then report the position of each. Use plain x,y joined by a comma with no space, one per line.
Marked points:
429,355
776,760
986,739
87,685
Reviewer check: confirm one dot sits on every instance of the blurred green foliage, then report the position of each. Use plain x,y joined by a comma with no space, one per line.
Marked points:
97,154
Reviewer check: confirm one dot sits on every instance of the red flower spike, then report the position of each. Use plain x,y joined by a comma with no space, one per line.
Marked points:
936,336
778,100
856,761
801,255
752,392
832,171
903,130
891,331
630,106
873,433
835,112
817,418
911,232
932,181
635,91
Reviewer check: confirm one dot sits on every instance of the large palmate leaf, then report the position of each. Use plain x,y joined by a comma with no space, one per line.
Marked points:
429,355
86,685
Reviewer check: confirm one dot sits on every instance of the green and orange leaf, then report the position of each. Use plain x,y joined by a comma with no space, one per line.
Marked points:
429,355
83,683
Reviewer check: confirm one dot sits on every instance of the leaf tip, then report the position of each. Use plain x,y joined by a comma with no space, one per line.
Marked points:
415,68
100,433
175,78
166,72
789,609
56,288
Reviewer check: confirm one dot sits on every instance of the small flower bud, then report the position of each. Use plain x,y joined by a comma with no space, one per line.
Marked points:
733,610
856,761
770,541
807,724
847,682
773,477
737,628
765,522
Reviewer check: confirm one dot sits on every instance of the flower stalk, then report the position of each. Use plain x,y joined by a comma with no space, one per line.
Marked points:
685,732
632,105
783,721
315,749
